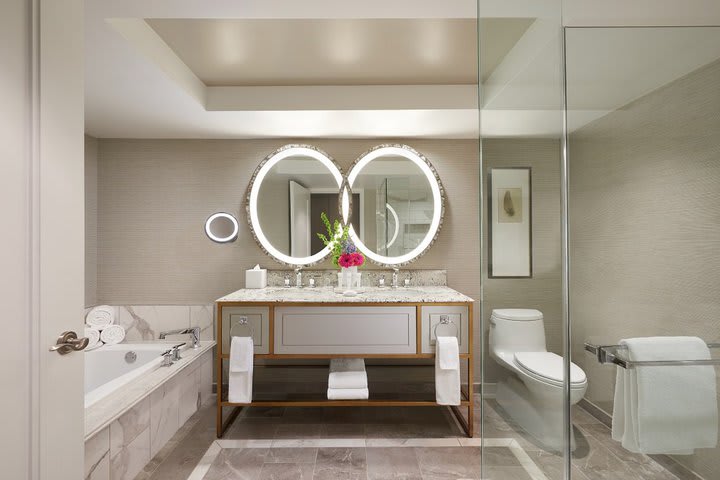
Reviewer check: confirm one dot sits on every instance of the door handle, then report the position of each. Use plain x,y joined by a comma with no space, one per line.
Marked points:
69,342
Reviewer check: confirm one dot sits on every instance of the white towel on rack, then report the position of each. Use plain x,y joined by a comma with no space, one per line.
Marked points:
112,334
348,393
447,371
240,376
347,373
665,409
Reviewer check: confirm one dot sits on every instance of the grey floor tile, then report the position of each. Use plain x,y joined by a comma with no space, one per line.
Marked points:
257,431
237,464
552,465
505,473
389,430
287,471
597,462
448,462
395,463
500,457
291,455
296,431
342,430
341,463
296,415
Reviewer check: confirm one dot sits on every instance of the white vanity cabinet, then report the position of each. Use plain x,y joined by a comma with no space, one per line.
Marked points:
444,320
291,323
346,330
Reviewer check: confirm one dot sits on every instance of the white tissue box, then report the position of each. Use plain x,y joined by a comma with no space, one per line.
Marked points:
256,278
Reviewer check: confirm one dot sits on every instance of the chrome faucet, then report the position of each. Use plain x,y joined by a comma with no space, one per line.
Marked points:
395,277
194,333
298,277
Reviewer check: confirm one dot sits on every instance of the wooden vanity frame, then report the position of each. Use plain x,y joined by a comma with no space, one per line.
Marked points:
466,392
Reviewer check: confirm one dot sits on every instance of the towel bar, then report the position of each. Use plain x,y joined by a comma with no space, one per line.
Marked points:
608,354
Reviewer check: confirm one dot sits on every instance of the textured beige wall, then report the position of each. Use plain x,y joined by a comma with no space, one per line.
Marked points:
645,226
154,196
544,290
91,201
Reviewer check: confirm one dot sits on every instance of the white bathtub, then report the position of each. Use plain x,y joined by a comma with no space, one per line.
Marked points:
111,366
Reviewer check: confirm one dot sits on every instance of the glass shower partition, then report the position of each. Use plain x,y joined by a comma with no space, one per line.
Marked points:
643,118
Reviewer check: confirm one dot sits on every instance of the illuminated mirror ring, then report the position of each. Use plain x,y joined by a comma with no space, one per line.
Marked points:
214,224
438,194
251,204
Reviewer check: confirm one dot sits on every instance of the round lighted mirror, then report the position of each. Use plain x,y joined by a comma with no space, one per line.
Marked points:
289,191
221,227
401,201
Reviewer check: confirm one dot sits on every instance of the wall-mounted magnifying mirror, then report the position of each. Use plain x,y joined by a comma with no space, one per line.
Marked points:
288,193
402,201
221,227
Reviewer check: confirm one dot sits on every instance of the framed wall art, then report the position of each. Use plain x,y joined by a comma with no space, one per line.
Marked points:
510,222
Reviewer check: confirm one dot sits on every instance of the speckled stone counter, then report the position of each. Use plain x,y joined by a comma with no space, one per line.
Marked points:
425,294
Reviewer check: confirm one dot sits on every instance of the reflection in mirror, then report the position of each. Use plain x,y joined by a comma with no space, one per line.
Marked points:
398,196
221,227
289,192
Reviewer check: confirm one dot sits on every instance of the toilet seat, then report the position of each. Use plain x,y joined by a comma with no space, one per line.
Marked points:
548,367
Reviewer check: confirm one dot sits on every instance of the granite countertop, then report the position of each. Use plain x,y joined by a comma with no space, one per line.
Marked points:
413,294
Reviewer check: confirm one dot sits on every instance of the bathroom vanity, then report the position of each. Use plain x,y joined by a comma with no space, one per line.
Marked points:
318,323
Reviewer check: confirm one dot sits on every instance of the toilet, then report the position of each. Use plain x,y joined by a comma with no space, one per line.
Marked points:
531,392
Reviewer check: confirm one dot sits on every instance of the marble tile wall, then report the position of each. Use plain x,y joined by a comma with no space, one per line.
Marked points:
145,322
121,451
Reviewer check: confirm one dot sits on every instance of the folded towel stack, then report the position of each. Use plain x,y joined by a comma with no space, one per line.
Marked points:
101,328
347,379
666,409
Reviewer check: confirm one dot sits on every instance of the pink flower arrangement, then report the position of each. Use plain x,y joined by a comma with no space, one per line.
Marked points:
355,259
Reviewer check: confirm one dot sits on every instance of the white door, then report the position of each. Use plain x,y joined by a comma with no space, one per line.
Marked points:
299,220
42,241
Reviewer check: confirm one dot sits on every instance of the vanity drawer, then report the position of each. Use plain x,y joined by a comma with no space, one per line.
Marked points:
258,326
345,330
432,316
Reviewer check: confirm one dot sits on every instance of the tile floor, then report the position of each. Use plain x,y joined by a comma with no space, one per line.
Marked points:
376,443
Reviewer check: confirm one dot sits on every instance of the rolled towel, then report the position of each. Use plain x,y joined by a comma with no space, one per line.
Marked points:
348,393
347,373
112,334
100,316
93,336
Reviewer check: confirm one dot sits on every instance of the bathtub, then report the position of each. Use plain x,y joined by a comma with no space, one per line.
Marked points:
110,367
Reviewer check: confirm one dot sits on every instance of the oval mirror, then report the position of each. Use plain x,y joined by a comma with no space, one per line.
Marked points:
288,192
221,227
401,200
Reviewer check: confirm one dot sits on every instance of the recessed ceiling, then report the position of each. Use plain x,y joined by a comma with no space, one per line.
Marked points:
244,52
497,37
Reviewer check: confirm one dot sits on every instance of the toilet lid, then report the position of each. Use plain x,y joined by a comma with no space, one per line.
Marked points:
548,365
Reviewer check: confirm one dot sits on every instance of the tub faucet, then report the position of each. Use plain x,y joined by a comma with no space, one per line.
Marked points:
395,277
194,333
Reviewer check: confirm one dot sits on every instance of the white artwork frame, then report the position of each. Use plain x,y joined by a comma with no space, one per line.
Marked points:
510,222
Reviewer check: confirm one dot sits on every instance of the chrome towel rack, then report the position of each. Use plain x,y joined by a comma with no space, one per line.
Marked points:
611,354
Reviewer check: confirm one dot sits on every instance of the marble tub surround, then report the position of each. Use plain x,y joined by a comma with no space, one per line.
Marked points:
370,277
145,322
196,361
140,420
412,294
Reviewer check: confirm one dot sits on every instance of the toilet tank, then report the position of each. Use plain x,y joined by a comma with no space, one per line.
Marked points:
517,330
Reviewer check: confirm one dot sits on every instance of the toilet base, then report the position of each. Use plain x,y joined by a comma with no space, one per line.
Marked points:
541,417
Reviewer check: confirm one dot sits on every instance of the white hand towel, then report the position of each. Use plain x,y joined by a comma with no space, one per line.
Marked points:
348,393
447,371
240,381
347,373
101,316
112,334
666,409
93,335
